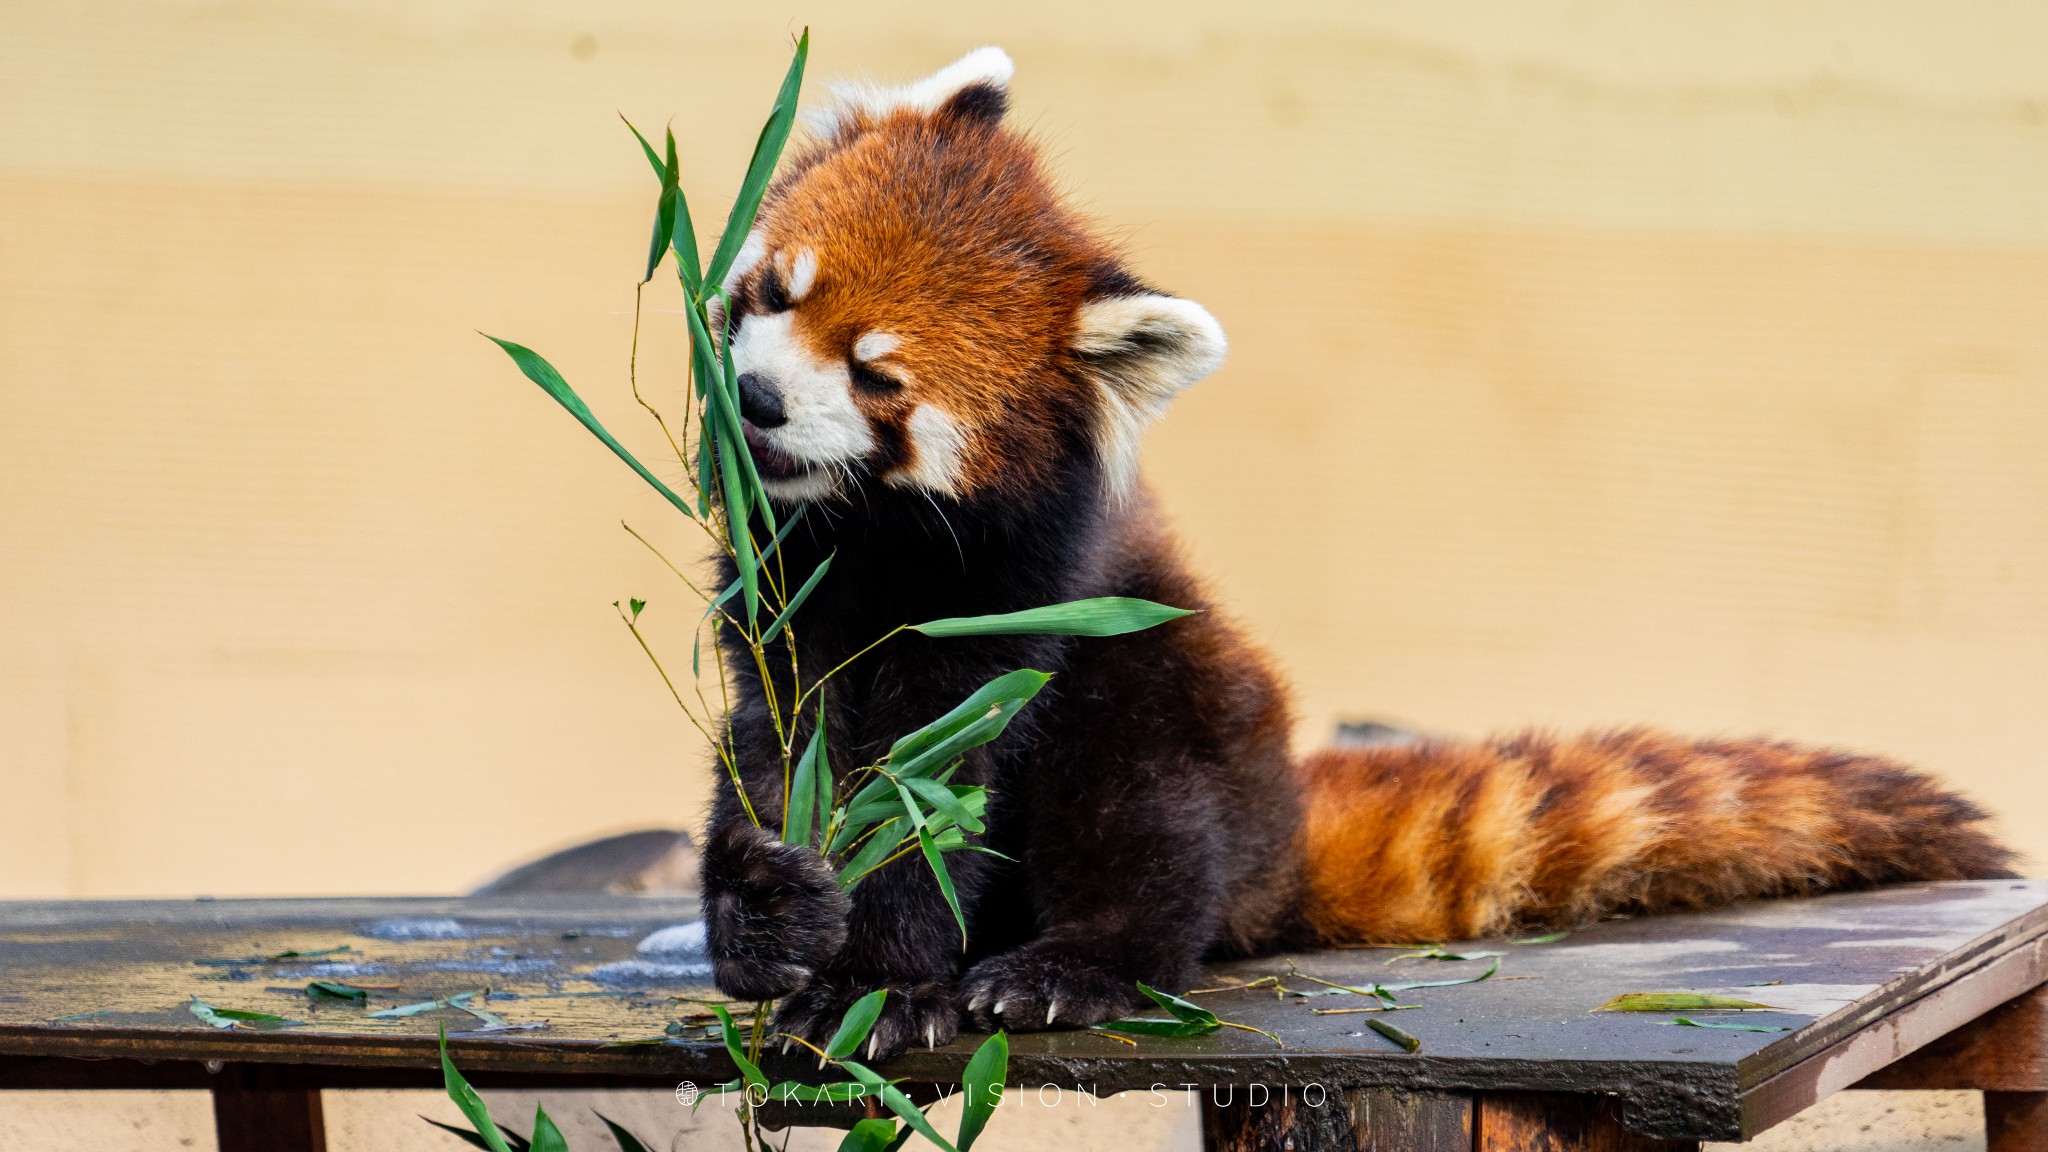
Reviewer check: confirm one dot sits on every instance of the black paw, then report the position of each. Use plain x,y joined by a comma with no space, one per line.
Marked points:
773,912
1041,986
920,1013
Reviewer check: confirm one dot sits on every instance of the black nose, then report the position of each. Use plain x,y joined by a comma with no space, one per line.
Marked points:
759,403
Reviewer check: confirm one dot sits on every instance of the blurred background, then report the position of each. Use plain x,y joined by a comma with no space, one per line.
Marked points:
1593,363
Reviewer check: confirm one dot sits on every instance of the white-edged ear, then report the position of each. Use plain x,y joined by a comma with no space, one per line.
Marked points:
1141,351
854,102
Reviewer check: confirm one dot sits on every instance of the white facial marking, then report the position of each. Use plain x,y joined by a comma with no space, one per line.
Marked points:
751,252
823,427
1142,351
874,346
991,66
803,272
937,445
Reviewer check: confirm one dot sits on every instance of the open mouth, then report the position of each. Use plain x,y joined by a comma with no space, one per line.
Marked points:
772,462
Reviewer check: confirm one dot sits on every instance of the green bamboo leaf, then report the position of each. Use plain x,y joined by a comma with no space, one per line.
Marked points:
1387,990
685,232
767,150
797,601
732,387
542,373
895,1101
856,1024
945,801
937,861
517,1142
1677,1002
546,1137
880,844
664,212
1727,1027
471,1104
728,446
823,776
790,1091
735,1048
870,1136
653,158
229,1017
1178,1008
1101,616
1147,1026
1011,687
803,791
626,1141
982,1085
336,990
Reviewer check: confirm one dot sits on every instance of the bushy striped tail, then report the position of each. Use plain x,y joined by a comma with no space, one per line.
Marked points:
1450,841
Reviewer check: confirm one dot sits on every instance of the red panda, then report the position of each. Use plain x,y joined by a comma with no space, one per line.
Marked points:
953,370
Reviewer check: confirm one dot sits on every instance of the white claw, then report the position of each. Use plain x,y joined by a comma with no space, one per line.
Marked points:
874,1044
974,1005
1052,1011
998,1009
931,1038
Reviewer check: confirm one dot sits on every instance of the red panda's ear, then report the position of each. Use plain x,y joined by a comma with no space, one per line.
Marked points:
1140,352
974,87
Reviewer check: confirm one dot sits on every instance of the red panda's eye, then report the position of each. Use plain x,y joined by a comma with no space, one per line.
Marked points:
869,380
771,297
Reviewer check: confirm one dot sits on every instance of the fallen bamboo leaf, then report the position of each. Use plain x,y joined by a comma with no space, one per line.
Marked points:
1407,1042
1437,952
1727,1027
237,1017
459,1000
336,990
1679,1002
1113,1036
289,956
1356,1011
1546,938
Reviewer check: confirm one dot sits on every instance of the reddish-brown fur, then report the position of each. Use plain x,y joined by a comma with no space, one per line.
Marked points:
1435,841
984,339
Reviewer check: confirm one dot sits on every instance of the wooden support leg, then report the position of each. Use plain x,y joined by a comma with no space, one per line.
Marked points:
254,1111
1237,1119
2016,1121
1558,1122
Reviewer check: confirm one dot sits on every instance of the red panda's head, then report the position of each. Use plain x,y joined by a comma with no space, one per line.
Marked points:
916,308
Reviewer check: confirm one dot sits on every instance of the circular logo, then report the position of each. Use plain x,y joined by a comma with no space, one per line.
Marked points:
687,1093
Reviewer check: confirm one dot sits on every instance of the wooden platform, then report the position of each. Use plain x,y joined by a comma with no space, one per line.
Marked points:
99,994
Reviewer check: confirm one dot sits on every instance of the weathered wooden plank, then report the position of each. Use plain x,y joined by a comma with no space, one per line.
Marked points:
1975,991
2005,1050
1256,1118
1554,1122
114,980
1397,1120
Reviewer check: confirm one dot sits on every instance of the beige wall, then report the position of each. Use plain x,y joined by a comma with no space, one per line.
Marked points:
1594,363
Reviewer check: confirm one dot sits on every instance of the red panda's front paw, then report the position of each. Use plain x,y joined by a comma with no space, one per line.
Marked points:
912,1014
1044,985
773,912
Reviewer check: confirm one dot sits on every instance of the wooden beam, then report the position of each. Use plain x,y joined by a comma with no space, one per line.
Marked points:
2016,1121
1237,1119
1557,1122
2004,1050
255,1111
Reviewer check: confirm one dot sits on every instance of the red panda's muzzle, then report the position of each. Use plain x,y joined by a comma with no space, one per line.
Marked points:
772,462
